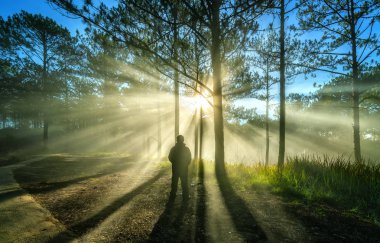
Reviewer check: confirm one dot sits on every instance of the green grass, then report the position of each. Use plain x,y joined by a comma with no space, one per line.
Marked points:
335,181
165,164
243,176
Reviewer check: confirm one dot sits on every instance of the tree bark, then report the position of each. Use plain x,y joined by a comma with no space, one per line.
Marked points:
159,137
217,87
4,119
281,152
200,133
355,86
201,127
196,135
267,117
176,99
176,74
44,90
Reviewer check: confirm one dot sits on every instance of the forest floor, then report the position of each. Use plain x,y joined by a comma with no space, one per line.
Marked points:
122,199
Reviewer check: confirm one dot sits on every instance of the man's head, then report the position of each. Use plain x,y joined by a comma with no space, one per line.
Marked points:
180,139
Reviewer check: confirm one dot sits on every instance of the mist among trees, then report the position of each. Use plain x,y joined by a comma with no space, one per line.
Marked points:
60,88
278,102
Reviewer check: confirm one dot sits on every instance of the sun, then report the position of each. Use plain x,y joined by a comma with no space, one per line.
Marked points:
201,102
196,102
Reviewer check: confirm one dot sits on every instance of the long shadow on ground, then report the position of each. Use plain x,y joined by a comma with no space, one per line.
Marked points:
4,196
81,228
177,224
318,221
242,218
43,187
25,177
169,227
200,227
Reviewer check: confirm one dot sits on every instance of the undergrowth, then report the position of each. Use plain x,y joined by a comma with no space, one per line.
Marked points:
335,181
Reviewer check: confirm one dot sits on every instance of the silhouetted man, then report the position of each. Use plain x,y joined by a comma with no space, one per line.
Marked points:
180,157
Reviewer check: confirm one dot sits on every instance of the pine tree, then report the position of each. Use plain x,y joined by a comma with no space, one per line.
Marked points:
349,39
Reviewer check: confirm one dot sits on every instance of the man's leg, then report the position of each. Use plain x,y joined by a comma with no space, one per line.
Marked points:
174,185
185,188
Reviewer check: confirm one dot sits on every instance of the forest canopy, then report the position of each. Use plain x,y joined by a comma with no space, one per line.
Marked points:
143,72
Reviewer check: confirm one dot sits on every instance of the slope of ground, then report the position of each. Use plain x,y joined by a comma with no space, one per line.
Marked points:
120,199
22,219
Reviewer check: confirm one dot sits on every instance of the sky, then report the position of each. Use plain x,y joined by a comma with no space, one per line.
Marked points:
9,7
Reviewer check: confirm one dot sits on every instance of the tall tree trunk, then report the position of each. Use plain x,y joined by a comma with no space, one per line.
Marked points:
196,130
217,87
355,85
267,117
4,119
196,135
67,111
159,139
201,127
176,111
44,90
46,130
197,109
281,152
176,74
200,133
67,102
67,116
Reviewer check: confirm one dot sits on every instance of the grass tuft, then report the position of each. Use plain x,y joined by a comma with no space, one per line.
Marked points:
353,187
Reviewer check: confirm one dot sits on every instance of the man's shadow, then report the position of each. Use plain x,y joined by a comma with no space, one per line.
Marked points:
170,227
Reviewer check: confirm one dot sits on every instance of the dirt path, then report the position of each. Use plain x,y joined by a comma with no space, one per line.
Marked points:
236,217
221,224
124,200
22,218
277,222
128,211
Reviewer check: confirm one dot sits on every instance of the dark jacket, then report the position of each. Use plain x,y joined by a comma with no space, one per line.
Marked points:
180,157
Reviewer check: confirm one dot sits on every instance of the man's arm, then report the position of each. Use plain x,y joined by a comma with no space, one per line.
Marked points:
188,155
170,157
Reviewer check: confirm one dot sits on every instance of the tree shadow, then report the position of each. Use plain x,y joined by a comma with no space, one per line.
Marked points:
200,227
241,216
4,196
81,228
43,187
317,219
